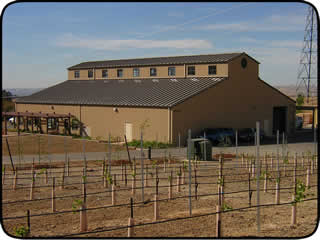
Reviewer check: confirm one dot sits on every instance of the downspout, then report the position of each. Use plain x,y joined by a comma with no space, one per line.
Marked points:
94,74
169,123
80,119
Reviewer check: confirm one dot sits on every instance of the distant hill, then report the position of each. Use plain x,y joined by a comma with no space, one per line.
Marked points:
21,92
290,90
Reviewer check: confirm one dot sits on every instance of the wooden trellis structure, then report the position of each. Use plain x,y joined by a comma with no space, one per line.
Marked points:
38,120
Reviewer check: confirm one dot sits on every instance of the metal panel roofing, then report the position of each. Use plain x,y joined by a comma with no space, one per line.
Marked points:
147,93
208,58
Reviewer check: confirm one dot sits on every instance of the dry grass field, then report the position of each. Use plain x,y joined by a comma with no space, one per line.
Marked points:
31,144
275,219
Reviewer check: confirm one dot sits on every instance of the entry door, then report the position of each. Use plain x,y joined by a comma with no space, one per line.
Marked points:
279,119
128,131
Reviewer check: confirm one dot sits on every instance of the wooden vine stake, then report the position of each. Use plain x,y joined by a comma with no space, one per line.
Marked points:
53,196
146,178
170,186
131,220
114,200
125,175
271,161
4,174
308,177
293,211
32,186
62,180
183,177
277,196
83,207
179,181
249,189
218,222
46,176
156,208
102,172
133,190
83,218
242,159
266,179
15,179
28,224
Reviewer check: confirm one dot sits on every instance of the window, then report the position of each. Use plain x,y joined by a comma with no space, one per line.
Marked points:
90,73
104,73
153,72
119,72
212,70
52,123
171,71
136,72
76,74
191,70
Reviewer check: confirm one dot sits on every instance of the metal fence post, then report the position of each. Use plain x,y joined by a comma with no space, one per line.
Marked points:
258,176
142,173
189,160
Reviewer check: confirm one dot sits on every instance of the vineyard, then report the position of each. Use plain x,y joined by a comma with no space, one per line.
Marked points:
163,197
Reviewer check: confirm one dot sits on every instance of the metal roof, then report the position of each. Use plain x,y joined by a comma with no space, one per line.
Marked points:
112,92
193,59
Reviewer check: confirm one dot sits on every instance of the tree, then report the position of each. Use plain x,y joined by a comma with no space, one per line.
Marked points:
300,99
7,104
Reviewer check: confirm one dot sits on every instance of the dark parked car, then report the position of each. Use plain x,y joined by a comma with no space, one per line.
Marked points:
219,135
248,134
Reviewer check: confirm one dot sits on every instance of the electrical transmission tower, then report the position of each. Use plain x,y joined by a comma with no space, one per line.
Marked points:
307,73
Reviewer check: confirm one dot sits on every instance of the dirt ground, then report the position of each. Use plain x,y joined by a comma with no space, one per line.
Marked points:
275,220
30,144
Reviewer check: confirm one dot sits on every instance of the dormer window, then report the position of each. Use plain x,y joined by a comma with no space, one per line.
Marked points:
153,72
119,72
136,72
191,70
104,73
77,74
171,71
212,70
90,74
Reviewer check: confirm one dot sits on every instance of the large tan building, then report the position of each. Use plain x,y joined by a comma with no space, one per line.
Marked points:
165,96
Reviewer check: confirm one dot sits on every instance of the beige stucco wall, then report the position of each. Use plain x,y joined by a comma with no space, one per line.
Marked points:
102,119
162,72
237,102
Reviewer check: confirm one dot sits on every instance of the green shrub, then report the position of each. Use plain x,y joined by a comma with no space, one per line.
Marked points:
21,231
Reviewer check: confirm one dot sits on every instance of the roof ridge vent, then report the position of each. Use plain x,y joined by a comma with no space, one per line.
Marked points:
137,80
155,80
173,80
195,79
106,81
121,81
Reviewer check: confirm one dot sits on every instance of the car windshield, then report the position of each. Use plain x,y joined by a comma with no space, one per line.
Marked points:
245,130
211,131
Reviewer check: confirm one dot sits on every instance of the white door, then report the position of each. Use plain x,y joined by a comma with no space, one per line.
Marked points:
128,131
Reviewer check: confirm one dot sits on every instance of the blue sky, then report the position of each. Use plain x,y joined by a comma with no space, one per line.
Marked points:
40,40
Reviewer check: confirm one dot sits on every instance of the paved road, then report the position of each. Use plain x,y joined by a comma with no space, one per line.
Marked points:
178,152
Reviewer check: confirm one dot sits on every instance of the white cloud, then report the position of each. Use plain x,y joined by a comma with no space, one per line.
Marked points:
70,40
273,23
